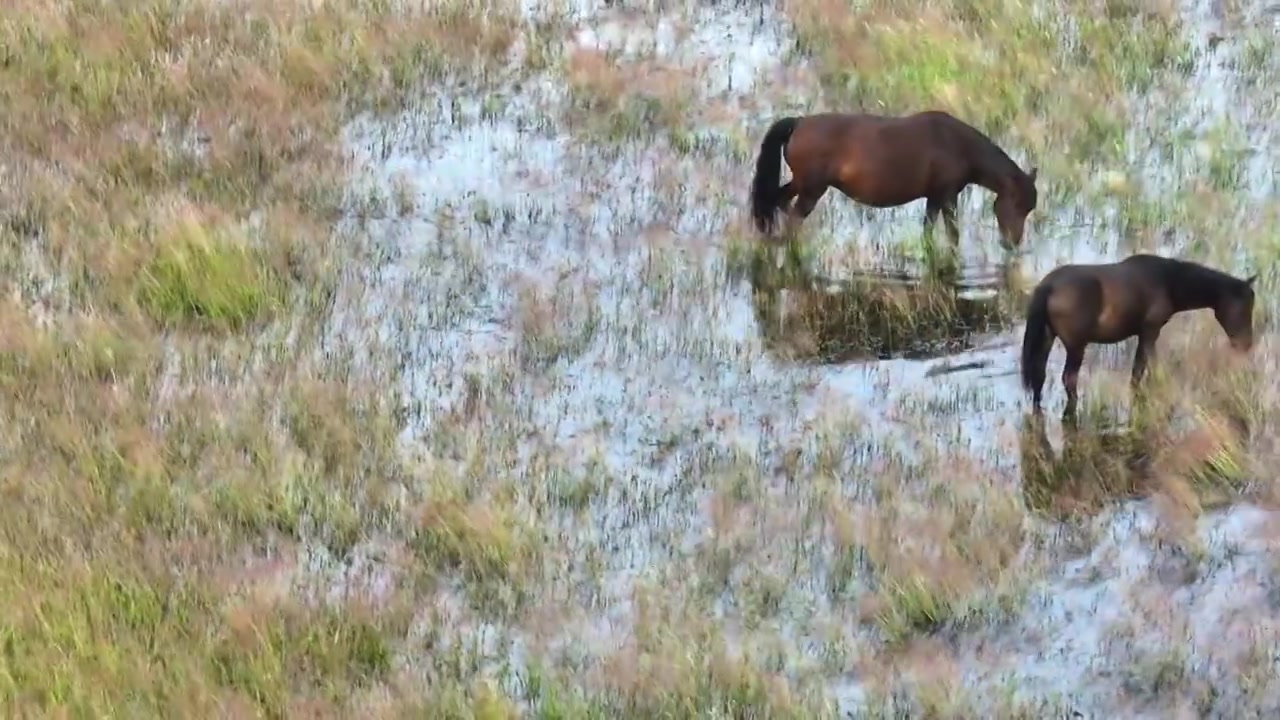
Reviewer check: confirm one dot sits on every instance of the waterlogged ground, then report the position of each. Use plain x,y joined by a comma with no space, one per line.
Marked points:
634,470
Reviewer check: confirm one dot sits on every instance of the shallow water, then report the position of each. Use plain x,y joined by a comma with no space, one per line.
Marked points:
587,286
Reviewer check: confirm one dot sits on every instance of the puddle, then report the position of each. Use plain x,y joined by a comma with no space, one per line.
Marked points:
585,289
1137,613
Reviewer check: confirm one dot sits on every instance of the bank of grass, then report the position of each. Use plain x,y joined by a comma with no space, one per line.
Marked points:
1050,79
870,318
172,171
873,315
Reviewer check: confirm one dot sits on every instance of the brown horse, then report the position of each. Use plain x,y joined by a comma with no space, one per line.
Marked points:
1112,302
887,162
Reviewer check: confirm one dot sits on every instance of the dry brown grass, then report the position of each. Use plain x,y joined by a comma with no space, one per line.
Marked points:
942,552
870,320
627,99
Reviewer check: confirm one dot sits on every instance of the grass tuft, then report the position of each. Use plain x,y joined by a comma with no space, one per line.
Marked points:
210,280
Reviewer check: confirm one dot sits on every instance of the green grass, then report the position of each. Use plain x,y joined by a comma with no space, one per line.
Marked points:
85,637
208,282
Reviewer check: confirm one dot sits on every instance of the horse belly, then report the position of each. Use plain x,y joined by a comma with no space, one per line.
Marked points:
1122,314
877,191
880,179
1109,335
1115,326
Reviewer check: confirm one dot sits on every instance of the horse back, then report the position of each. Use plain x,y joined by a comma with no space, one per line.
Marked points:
882,160
1147,274
1108,302
855,147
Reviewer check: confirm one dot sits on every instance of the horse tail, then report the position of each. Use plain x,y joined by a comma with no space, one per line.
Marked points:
1035,334
764,186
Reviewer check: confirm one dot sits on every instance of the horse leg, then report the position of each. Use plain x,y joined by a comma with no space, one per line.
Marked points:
786,194
949,215
1143,357
1040,364
946,206
1070,375
931,209
806,200
1141,360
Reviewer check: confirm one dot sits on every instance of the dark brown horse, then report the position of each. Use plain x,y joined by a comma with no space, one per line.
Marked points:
886,162
1112,302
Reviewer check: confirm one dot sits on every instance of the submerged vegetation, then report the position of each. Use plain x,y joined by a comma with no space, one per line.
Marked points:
374,358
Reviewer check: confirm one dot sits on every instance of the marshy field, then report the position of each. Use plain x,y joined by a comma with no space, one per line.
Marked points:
364,358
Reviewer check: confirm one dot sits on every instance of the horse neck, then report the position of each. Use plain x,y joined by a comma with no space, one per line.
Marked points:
1195,287
996,171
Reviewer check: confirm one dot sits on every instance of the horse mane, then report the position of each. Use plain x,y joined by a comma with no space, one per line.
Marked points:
1198,282
993,158
1002,158
1192,271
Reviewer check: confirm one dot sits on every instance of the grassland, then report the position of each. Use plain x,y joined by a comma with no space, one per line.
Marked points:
360,359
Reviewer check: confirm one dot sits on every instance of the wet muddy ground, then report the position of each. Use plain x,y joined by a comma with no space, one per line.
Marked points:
673,445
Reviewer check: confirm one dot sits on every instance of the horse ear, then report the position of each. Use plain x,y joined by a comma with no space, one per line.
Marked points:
1034,171
1251,279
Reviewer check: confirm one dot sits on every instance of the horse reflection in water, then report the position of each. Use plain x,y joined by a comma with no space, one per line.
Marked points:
874,315
1096,467
1104,465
